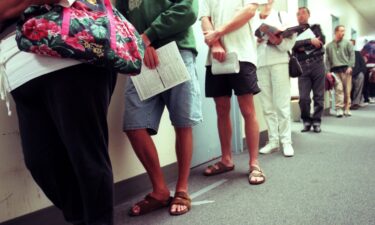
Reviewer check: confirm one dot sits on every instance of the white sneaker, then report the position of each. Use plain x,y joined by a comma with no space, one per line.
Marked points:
288,150
269,148
372,100
347,113
339,113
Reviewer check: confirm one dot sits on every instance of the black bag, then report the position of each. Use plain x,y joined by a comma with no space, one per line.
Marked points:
295,69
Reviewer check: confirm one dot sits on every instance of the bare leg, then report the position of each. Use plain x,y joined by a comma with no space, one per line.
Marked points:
246,103
145,150
224,126
184,151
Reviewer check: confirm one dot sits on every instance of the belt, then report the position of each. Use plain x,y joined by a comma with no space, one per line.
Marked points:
311,60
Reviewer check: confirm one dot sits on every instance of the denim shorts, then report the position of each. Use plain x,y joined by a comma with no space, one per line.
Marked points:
183,102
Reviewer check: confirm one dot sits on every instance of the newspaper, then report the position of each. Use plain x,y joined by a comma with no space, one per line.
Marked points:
170,72
307,34
229,66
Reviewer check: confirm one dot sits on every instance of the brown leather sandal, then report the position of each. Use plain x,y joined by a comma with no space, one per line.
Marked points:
255,171
180,198
149,204
218,168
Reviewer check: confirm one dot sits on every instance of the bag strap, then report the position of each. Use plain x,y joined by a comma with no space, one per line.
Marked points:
109,12
281,21
111,21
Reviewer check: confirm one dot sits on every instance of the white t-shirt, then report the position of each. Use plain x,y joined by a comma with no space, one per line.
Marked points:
271,54
241,41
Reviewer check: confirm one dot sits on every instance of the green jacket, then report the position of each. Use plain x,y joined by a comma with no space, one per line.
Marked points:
163,21
340,54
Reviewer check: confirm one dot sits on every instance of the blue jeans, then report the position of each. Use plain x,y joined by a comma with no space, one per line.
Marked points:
182,101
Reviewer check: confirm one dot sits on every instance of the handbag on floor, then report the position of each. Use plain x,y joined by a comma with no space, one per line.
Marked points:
90,31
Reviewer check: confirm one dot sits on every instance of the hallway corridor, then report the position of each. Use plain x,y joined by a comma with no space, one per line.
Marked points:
329,181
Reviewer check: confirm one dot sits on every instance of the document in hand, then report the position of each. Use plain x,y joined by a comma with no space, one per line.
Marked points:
266,29
307,34
170,72
229,66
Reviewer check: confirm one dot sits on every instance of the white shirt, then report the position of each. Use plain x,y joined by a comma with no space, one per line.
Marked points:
241,41
271,54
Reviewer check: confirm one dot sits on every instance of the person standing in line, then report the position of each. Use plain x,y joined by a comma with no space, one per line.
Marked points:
62,107
340,60
227,26
368,53
358,76
309,53
274,81
161,22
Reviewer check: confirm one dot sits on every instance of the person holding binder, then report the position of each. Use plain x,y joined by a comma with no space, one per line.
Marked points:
274,80
228,27
309,51
161,22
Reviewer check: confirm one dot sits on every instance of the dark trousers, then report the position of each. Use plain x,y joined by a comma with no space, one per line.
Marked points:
368,88
366,83
63,127
312,79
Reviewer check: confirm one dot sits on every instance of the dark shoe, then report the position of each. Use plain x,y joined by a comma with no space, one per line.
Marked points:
306,128
317,129
355,106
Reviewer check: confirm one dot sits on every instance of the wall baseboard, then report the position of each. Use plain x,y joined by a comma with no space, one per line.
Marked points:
123,191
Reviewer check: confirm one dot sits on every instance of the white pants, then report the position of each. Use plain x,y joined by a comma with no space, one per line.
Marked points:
275,96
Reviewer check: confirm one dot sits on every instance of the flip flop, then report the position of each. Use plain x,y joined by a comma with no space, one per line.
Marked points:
180,198
221,168
255,171
149,204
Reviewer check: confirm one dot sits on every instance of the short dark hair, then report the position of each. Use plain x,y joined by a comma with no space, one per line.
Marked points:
338,27
305,8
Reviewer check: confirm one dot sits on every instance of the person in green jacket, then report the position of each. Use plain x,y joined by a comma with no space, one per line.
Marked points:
340,60
160,22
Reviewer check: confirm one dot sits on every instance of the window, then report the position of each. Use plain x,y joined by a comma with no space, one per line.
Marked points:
354,34
335,23
302,3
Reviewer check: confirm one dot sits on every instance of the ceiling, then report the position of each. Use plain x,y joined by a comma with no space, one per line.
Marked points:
366,8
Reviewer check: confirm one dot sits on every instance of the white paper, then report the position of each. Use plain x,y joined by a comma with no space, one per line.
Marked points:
170,72
307,34
20,67
229,66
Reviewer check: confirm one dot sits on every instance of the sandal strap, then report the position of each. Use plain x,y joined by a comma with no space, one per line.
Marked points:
256,171
181,198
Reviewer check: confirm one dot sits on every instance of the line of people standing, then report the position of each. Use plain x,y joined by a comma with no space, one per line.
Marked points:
64,131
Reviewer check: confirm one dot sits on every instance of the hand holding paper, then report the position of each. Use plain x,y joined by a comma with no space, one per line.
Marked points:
218,52
231,65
